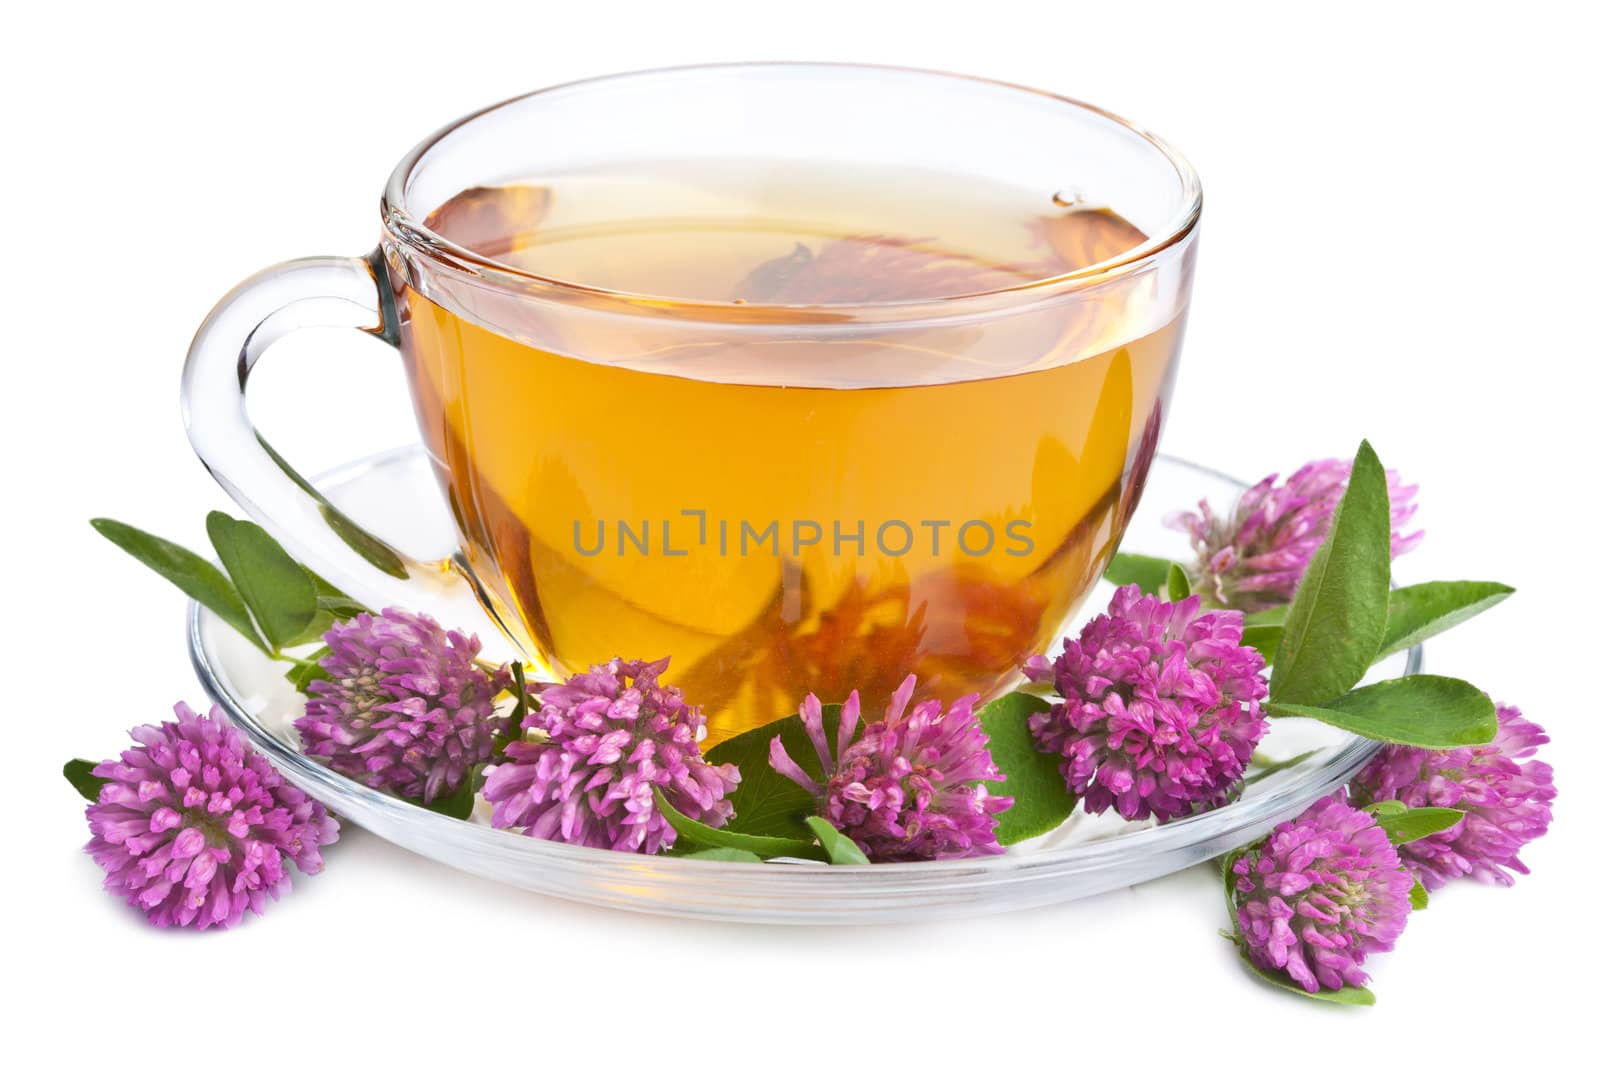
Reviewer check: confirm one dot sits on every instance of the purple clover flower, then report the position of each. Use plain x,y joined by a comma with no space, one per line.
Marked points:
405,709
911,787
605,739
1506,795
1253,558
1160,707
193,826
1321,893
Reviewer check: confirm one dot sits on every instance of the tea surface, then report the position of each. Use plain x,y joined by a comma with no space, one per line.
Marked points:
785,510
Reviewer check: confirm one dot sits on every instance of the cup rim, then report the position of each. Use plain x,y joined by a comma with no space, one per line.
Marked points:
414,233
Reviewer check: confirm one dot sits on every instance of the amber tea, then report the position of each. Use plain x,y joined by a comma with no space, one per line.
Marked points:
743,480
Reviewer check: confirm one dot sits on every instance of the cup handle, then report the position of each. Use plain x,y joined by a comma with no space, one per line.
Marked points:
320,291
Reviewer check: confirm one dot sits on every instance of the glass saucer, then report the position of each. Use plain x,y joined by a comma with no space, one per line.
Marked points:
394,494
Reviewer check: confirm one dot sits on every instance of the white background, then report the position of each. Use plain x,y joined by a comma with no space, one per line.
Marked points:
1399,243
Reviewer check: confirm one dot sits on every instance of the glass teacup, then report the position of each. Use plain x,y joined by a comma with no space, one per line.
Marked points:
807,376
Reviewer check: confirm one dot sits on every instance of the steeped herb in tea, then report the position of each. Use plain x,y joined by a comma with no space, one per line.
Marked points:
794,503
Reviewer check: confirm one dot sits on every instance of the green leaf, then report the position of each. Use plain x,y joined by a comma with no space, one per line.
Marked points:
1413,824
1177,583
325,588
1418,612
511,729
726,855
1268,616
337,605
330,610
1385,807
1229,878
1033,778
1146,572
1230,881
302,674
80,774
1359,996
332,606
714,837
312,631
197,577
1419,895
1264,638
1336,621
456,805
281,596
840,849
1421,710
766,802
368,547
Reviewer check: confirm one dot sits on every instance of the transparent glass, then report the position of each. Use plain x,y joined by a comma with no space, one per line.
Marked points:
1088,854
755,485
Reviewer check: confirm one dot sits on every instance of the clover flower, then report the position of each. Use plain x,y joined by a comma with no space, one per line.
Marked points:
1160,707
911,787
602,742
1321,893
1253,558
405,709
193,826
1506,795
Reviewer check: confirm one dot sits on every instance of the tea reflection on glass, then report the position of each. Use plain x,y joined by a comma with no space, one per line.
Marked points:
724,469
